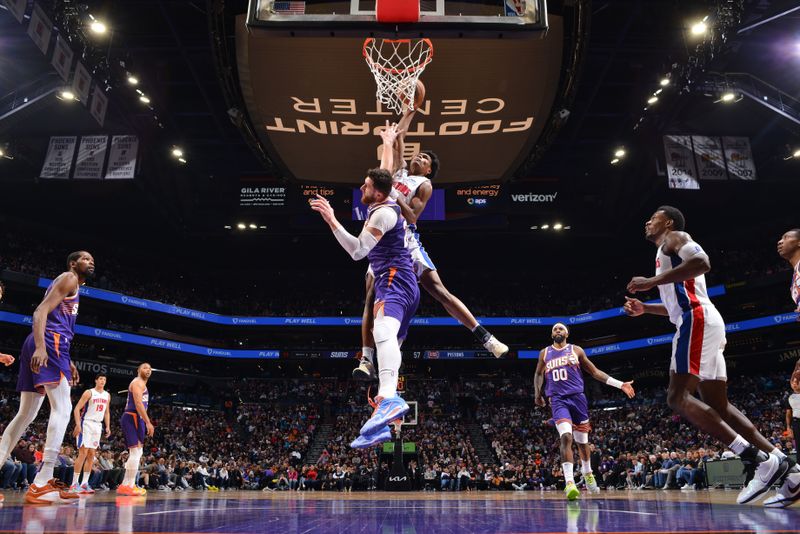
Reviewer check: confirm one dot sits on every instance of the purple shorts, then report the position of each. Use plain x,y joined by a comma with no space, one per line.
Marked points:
133,428
57,363
572,408
398,293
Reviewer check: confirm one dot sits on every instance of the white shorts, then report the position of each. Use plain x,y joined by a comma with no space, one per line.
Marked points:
422,262
698,345
91,432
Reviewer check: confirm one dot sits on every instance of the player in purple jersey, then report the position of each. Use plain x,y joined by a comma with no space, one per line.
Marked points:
382,240
46,369
559,369
135,423
5,359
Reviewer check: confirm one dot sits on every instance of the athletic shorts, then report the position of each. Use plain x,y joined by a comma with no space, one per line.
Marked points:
698,345
572,409
91,432
419,256
58,362
133,428
397,292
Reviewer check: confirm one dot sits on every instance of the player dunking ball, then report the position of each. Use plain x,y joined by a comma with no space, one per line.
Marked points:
382,240
698,363
559,369
135,423
412,189
46,369
90,413
5,359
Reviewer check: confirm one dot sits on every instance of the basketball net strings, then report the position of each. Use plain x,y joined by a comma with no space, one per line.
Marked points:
396,66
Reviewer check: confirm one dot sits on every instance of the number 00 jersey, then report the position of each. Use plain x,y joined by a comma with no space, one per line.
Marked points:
562,372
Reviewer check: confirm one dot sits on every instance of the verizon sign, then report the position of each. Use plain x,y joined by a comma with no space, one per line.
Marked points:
534,198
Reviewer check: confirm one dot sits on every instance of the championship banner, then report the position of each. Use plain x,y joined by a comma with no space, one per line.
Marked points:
681,172
91,156
17,8
81,83
58,161
739,157
99,105
709,158
62,58
122,158
40,28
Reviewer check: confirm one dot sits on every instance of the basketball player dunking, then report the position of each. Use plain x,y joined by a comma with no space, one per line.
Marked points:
698,362
559,369
5,359
90,413
46,369
135,423
412,190
382,240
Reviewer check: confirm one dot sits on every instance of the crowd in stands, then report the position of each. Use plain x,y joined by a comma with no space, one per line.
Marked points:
265,443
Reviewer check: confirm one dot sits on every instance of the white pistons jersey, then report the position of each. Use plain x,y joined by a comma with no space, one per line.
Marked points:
96,406
407,185
681,297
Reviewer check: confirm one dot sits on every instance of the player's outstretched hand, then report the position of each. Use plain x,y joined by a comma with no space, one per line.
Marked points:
633,307
639,283
628,389
390,133
6,359
323,207
540,402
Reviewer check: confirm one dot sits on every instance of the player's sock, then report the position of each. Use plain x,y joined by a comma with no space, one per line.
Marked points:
739,445
75,477
782,455
368,353
60,408
568,474
586,466
481,334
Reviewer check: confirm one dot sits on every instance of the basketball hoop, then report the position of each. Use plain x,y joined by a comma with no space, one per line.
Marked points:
396,65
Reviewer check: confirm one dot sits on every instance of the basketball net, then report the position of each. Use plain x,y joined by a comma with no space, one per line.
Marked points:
396,65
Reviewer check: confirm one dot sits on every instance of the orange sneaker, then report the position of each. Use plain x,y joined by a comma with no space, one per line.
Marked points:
132,491
53,492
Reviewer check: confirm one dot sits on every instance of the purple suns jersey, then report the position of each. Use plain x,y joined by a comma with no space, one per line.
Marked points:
562,372
61,320
391,255
130,406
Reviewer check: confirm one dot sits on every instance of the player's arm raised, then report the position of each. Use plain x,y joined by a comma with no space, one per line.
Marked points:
399,145
694,262
76,413
357,247
538,380
597,374
63,286
137,389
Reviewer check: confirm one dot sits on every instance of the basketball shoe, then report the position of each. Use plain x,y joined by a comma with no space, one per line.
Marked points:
365,442
388,409
54,492
787,494
496,347
365,370
85,489
767,473
132,491
591,483
571,491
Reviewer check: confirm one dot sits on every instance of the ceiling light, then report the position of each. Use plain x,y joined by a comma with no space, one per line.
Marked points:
545,226
534,227
66,95
558,226
263,227
227,226
796,154
615,161
177,152
728,96
664,82
699,28
253,226
620,153
241,226
568,228
133,80
652,100
144,99
98,27
657,92
2,153
182,160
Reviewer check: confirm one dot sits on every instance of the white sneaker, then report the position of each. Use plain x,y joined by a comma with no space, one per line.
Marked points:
768,473
787,494
688,487
496,347
365,370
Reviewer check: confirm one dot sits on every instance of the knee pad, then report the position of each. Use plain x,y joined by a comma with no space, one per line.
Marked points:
385,328
581,437
564,427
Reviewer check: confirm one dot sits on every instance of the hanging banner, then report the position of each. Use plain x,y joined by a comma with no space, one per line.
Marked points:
739,157
40,28
91,155
681,172
709,158
58,161
81,83
17,8
99,105
62,58
122,157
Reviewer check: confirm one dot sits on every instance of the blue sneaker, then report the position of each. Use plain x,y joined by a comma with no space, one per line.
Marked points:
362,442
387,411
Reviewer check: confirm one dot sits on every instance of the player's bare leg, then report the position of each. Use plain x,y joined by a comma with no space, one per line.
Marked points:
432,283
366,366
585,452
567,459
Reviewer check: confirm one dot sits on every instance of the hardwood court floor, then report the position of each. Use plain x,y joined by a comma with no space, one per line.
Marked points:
712,511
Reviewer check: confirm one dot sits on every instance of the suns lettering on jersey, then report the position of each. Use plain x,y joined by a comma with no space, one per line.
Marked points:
562,361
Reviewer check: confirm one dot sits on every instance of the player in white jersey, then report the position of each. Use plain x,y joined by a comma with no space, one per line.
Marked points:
412,191
698,363
90,413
